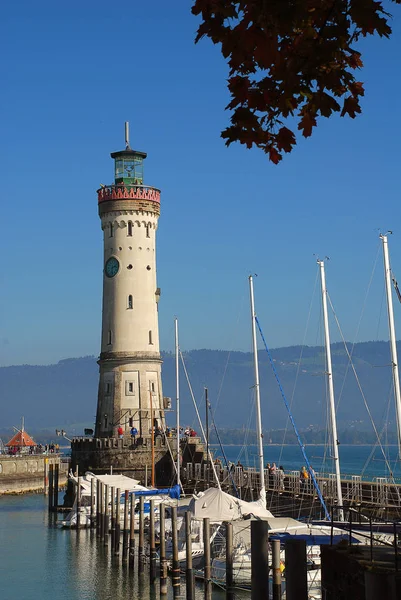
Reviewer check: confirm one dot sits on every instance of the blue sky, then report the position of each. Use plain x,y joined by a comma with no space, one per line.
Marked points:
74,73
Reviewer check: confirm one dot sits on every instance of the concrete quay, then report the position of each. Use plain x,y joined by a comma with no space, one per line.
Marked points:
26,473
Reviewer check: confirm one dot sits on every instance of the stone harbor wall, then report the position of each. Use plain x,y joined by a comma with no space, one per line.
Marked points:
26,473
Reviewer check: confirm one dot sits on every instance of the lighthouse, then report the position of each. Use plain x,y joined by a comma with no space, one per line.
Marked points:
130,387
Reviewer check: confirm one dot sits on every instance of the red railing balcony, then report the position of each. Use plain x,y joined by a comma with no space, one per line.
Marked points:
128,192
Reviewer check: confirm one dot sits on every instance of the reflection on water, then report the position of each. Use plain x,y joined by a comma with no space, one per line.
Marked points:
38,561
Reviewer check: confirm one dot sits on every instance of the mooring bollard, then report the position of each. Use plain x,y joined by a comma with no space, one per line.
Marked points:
275,545
296,577
55,486
118,526
175,570
152,544
92,514
189,573
141,558
125,530
51,482
106,526
259,560
132,532
112,518
162,551
206,556
229,562
97,507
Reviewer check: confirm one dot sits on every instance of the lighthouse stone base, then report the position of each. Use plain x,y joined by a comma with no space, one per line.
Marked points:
101,455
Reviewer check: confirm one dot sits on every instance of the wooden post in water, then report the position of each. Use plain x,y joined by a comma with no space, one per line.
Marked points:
175,570
132,532
206,557
78,501
229,562
97,507
92,515
126,529
152,544
259,560
55,486
46,476
275,545
113,518
106,526
141,558
189,573
162,552
296,577
101,511
51,482
118,526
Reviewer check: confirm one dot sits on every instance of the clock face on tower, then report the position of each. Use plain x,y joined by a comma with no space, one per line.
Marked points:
111,267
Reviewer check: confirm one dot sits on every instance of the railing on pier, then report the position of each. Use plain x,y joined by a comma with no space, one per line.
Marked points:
381,492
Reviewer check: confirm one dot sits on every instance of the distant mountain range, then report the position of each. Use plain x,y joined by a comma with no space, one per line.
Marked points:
64,395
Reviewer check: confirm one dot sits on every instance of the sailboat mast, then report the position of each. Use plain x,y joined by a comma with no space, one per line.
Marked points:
329,373
177,383
393,343
259,434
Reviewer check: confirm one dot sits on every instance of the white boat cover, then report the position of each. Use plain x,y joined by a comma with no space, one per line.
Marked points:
220,506
117,481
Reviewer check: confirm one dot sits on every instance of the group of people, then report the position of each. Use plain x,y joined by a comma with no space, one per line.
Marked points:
275,475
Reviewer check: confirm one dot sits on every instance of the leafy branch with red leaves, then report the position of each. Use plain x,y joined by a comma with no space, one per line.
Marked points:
289,58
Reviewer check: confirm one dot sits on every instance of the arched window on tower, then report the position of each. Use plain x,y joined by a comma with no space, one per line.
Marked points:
130,302
150,338
148,230
111,230
129,230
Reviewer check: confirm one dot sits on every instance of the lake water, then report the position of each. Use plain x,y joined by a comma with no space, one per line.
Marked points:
41,562
355,460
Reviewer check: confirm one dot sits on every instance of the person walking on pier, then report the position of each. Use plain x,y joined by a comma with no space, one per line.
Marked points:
120,432
134,433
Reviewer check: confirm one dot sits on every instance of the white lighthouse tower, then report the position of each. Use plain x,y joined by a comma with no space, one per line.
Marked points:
130,388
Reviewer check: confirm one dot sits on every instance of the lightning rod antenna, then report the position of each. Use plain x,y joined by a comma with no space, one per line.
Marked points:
127,146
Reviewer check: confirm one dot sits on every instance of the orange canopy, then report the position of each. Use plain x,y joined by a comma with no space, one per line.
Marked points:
20,439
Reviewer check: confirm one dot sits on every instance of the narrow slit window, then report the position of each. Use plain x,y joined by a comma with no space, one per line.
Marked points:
130,302
153,387
150,338
130,387
109,337
108,388
105,421
148,231
129,231
111,230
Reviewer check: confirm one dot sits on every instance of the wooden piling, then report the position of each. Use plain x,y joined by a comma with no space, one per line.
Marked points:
141,558
78,503
152,544
118,526
189,572
55,486
46,476
101,511
51,482
275,545
106,526
126,529
229,562
296,578
206,557
162,552
132,532
92,514
175,570
97,507
112,518
259,560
